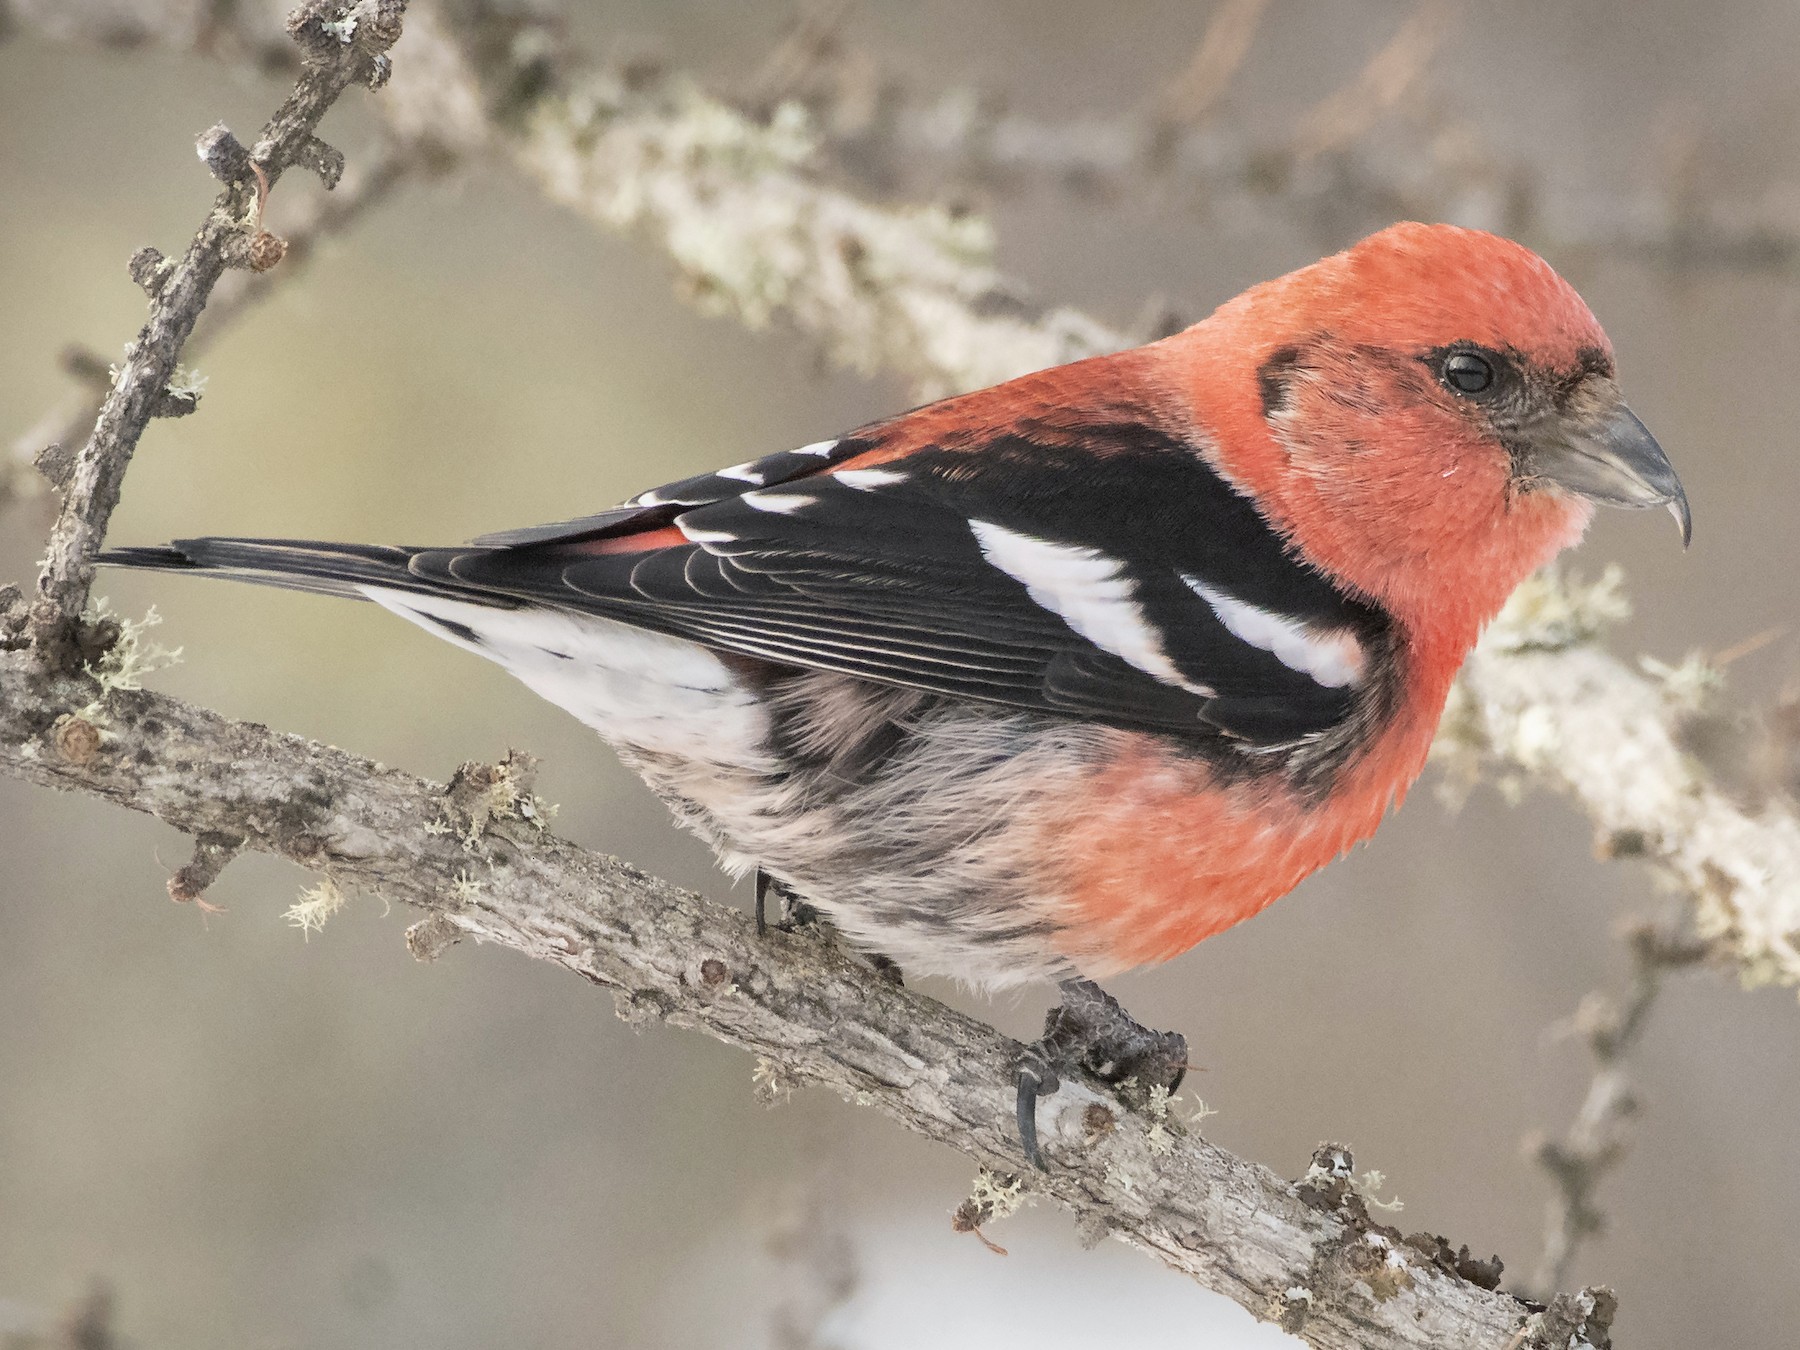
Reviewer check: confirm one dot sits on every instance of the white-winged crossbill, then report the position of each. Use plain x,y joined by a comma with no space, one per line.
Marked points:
1063,676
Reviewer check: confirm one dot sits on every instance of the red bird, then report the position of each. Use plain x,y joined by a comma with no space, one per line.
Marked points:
1063,676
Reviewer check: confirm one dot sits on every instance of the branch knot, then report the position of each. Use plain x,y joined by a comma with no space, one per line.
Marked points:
151,270
212,851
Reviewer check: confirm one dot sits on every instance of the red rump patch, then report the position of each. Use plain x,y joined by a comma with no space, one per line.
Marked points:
644,541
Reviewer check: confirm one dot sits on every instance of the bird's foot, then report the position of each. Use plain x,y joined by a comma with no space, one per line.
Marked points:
796,913
1088,1031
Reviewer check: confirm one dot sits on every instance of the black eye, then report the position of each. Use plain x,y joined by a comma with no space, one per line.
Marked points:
1468,373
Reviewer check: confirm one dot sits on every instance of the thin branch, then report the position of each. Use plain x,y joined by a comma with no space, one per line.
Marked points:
1192,95
1391,74
33,468
1327,176
1600,1135
796,1001
340,44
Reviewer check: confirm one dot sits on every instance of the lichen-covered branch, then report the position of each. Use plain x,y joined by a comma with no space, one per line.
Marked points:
753,230
480,868
1542,703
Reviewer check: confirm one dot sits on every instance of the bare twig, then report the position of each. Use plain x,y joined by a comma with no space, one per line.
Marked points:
1390,75
1191,96
340,44
1600,1135
69,425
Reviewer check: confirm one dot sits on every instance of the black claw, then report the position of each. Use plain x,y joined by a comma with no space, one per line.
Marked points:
1034,1078
1027,1109
763,884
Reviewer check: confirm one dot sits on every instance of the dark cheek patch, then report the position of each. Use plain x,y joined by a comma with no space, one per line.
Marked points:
1272,377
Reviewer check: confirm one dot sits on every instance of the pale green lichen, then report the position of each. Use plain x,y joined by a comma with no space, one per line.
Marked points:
1368,1186
771,1081
125,664
756,235
316,905
505,796
186,384
992,1197
1554,609
1200,1114
1120,1179
1691,686
999,1197
1160,1137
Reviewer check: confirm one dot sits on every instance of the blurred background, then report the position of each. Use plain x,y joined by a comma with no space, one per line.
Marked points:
258,1141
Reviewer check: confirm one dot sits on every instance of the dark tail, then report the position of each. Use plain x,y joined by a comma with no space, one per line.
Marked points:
299,565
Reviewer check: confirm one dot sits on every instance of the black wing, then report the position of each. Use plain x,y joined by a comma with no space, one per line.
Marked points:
1120,580
1106,573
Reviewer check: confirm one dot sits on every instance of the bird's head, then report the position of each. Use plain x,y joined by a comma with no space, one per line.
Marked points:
1431,414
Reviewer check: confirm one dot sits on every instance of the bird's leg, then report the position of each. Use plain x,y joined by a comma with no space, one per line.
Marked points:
764,885
796,913
1089,1031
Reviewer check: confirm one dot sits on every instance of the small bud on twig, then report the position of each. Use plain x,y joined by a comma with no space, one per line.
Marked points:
151,270
325,160
56,462
223,154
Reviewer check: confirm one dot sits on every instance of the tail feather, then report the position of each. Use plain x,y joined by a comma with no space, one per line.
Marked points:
308,565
